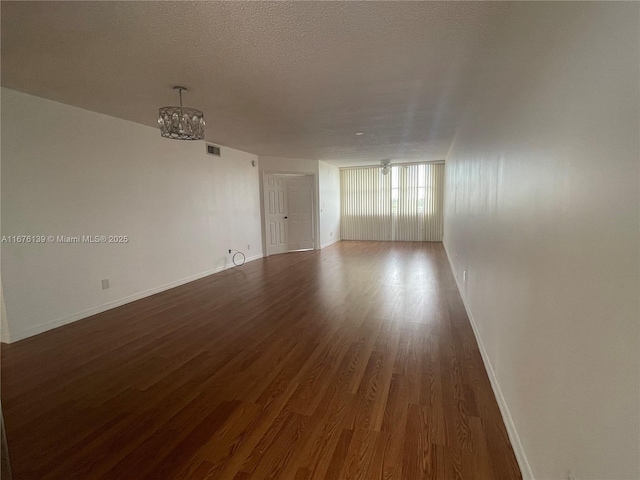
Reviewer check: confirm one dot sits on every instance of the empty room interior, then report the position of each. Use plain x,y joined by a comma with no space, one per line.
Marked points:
320,240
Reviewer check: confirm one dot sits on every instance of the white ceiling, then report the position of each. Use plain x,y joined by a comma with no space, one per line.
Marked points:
291,79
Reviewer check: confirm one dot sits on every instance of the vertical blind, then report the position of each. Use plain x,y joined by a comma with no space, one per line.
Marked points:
406,204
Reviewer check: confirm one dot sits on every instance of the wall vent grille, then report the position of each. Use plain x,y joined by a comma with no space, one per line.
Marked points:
213,150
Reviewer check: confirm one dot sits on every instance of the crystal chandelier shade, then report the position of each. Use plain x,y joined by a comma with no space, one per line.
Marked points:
181,123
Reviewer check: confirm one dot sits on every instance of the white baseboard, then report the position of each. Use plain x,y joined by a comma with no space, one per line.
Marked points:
325,245
9,337
518,450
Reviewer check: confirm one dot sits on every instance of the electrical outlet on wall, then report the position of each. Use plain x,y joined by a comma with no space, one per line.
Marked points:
105,283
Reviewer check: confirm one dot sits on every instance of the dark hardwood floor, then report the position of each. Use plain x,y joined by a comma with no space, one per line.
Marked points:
354,362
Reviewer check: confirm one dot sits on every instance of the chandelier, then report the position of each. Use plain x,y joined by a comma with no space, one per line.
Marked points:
181,123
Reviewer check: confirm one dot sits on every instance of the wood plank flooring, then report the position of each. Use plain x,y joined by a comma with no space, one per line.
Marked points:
354,362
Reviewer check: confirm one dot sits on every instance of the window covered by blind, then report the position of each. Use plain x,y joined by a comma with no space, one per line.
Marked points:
365,200
406,204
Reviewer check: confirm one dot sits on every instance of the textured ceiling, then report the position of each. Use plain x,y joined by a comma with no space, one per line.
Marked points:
292,79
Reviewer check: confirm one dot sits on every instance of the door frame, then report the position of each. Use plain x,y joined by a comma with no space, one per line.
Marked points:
314,206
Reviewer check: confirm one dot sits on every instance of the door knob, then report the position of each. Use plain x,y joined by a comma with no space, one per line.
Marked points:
286,217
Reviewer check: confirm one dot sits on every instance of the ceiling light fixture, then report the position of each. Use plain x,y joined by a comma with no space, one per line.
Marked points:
359,133
386,166
181,123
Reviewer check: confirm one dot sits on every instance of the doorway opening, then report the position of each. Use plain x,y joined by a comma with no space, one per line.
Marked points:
288,212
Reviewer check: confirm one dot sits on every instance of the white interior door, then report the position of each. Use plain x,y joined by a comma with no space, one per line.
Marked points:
299,198
288,201
276,214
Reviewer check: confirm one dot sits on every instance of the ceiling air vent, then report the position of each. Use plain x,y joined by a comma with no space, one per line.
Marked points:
213,150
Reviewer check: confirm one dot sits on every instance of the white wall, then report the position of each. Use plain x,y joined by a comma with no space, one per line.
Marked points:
288,165
68,171
542,211
329,180
4,324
